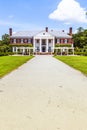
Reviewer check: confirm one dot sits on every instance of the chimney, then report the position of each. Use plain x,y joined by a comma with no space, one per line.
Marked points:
70,31
10,31
46,29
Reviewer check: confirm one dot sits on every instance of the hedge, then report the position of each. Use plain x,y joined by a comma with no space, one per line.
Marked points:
20,45
6,53
63,45
81,53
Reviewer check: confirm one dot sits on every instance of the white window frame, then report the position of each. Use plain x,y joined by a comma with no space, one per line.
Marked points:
14,40
22,40
65,41
29,40
58,40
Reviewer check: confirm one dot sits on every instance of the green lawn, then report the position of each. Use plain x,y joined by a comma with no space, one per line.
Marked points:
77,62
9,63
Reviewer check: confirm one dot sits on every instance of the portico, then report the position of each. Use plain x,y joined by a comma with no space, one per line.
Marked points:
44,43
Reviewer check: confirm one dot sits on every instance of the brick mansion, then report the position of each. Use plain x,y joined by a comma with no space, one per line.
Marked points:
42,42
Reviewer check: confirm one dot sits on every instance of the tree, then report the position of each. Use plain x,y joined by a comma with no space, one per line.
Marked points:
5,39
80,30
80,38
4,45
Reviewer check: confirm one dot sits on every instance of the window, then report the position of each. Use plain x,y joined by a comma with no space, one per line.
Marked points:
49,49
65,41
29,40
37,41
14,49
49,40
37,49
58,40
14,40
43,42
21,40
25,41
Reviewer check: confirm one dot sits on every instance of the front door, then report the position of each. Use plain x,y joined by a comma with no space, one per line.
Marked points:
43,48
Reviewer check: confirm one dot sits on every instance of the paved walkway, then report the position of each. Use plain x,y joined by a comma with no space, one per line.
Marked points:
43,94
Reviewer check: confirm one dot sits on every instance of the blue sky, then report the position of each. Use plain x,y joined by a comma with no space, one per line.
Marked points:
37,14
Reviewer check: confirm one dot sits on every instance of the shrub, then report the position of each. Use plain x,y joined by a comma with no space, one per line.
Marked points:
6,53
81,53
3,54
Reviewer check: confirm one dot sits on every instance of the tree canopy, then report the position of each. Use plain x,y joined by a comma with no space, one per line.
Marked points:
80,38
5,39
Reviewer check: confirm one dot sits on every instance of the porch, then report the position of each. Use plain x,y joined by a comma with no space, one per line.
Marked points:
64,50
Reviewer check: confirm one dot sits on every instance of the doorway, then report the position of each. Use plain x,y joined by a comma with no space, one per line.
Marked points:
43,48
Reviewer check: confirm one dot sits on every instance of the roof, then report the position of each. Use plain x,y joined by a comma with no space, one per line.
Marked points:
24,34
60,34
28,34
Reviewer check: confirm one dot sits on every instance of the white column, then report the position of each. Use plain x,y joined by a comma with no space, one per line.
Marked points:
73,51
40,46
13,49
29,51
56,51
23,50
16,49
67,51
61,51
46,45
53,45
34,45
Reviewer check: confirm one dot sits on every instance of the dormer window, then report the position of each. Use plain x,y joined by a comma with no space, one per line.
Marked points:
43,33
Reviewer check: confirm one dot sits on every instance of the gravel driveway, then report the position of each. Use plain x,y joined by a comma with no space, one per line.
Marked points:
43,94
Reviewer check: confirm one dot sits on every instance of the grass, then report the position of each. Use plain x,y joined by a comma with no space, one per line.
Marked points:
77,62
9,63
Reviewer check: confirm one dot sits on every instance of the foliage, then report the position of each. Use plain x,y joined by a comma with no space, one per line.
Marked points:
6,53
9,63
63,45
80,38
80,30
22,45
5,39
77,62
5,48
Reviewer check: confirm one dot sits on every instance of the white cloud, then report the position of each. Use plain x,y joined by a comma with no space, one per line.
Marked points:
69,11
